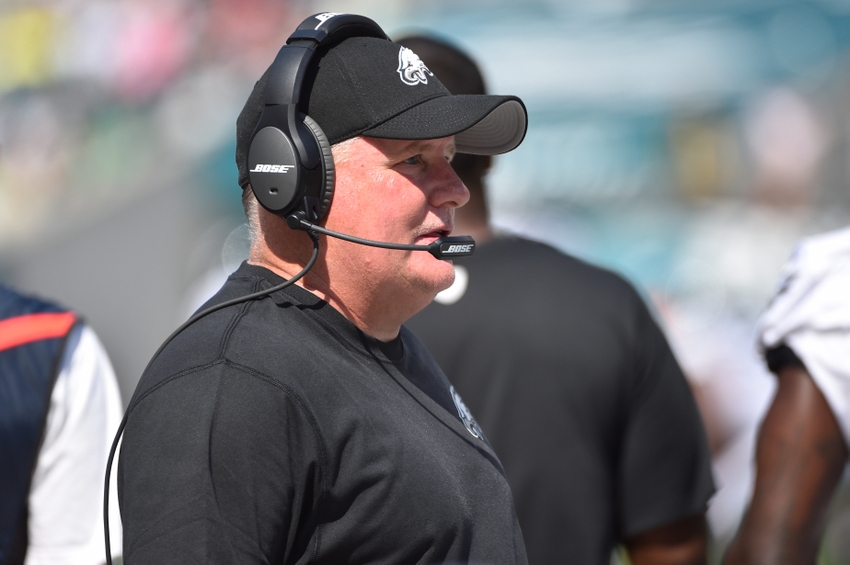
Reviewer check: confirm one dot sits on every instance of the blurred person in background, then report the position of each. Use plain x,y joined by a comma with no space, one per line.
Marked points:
302,422
732,390
802,445
59,408
572,382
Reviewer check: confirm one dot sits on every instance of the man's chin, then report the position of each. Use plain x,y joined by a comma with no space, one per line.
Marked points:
444,282
429,275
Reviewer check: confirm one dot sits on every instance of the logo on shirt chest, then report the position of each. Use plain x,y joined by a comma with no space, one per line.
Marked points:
466,415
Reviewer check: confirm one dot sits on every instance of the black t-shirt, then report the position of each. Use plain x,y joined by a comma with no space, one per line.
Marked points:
275,431
576,388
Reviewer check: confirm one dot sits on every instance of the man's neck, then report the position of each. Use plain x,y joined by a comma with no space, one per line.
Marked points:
373,310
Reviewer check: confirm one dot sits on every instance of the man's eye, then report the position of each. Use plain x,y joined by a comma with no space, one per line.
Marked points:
412,160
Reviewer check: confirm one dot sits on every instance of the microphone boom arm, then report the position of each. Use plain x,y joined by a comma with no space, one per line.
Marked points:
447,247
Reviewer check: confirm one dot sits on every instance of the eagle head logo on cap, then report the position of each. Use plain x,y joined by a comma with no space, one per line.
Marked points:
411,69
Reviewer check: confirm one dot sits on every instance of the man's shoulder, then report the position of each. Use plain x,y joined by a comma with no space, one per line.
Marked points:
543,263
529,250
207,344
15,303
285,340
810,294
835,242
817,256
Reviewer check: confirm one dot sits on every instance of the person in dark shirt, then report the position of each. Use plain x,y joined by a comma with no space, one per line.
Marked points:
302,423
572,382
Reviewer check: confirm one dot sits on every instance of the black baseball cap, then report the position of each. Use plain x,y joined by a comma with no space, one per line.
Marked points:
374,87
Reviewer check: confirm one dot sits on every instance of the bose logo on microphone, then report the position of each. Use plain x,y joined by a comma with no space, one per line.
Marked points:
466,248
263,168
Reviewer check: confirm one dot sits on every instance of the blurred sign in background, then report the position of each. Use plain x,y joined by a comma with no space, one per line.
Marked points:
684,144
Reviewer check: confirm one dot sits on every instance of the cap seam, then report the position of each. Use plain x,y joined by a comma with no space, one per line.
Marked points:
352,79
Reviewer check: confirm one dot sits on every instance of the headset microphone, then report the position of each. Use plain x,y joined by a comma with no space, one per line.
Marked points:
447,247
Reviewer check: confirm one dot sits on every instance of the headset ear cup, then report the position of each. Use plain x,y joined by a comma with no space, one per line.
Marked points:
327,190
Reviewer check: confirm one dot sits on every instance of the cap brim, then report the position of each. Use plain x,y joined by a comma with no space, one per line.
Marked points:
482,124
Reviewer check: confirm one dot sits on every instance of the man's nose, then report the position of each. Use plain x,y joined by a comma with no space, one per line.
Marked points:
449,189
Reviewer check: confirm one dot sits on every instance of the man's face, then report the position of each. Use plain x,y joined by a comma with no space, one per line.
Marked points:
401,192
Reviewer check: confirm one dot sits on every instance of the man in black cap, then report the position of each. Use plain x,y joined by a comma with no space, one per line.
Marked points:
573,383
304,423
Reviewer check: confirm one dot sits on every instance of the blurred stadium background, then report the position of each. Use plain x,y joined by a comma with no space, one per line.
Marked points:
686,144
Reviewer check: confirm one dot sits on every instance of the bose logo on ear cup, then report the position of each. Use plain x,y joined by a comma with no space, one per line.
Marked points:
263,168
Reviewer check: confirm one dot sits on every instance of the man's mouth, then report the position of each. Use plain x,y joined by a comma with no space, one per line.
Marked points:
432,236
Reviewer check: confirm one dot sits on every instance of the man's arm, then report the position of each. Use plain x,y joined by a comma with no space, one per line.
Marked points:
800,458
85,409
667,463
683,542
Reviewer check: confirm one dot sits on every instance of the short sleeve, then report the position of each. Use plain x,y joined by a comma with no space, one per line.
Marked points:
217,466
665,471
810,314
85,408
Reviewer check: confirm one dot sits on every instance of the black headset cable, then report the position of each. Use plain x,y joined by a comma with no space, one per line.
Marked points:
186,324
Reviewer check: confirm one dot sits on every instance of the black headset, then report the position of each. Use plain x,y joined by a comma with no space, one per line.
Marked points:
290,165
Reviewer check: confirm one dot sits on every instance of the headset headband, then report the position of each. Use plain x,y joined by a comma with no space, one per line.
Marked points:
286,76
290,160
